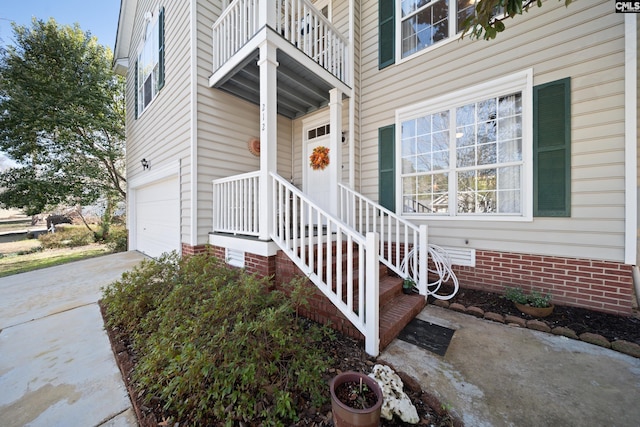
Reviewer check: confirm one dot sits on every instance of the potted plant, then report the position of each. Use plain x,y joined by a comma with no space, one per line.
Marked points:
408,286
356,400
534,304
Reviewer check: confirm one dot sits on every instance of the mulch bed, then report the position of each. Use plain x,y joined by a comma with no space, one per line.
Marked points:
579,320
348,355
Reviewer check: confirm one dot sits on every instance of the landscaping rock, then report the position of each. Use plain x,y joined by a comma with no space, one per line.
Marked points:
441,303
595,339
458,307
409,382
395,401
565,332
475,311
626,347
538,325
515,320
494,317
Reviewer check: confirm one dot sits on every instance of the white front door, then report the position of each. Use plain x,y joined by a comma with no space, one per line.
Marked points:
316,181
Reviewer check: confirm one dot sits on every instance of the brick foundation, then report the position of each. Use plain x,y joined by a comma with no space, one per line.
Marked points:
593,284
596,285
195,250
320,309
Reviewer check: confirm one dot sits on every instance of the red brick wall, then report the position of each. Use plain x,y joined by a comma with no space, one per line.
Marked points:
320,309
194,250
596,285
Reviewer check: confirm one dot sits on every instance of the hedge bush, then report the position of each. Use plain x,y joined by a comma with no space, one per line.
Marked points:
67,236
215,344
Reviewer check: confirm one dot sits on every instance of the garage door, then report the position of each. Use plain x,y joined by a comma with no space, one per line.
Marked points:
158,217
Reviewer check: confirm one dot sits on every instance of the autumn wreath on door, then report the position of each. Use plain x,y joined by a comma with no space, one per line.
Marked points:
319,158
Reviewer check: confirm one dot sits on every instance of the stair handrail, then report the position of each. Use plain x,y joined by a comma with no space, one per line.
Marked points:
365,215
301,227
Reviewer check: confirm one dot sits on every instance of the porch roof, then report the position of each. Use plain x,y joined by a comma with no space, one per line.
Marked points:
300,90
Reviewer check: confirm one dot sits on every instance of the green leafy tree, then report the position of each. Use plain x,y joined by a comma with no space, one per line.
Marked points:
61,119
488,19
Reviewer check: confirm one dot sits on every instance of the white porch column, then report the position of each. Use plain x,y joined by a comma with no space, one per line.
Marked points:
268,135
335,147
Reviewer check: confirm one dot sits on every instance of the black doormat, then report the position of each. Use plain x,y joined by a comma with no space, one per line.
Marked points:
429,336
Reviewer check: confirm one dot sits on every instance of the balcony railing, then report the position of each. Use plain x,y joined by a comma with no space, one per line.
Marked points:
298,21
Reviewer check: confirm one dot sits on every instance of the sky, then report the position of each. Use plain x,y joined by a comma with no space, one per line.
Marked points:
100,17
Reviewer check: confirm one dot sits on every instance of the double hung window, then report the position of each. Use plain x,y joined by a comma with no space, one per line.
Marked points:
150,61
420,24
467,157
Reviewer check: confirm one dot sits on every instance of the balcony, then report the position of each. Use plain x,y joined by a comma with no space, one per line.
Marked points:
312,55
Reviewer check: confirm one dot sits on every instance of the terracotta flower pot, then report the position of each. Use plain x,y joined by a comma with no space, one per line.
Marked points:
535,311
346,416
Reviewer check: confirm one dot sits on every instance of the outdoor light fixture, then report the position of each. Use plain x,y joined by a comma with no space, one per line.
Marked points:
145,164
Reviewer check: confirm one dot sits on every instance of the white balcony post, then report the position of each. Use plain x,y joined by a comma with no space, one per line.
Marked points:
268,134
266,13
335,147
372,305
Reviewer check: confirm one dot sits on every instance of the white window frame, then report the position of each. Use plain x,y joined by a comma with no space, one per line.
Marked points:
518,82
454,31
150,39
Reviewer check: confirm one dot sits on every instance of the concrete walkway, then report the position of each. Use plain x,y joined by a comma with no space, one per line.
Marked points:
498,375
56,363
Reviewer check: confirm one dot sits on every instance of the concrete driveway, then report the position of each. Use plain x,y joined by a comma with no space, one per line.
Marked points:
56,363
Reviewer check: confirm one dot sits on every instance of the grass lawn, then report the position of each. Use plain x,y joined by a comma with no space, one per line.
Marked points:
13,263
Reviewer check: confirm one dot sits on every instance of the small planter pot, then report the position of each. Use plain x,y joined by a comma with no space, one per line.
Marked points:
407,287
346,416
535,311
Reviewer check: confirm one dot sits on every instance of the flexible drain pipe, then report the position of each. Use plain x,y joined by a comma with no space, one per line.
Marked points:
636,283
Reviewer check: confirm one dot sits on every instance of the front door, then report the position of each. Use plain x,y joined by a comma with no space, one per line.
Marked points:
316,181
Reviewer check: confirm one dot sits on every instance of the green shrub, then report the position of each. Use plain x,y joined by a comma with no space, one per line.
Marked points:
117,239
30,251
534,299
215,345
70,236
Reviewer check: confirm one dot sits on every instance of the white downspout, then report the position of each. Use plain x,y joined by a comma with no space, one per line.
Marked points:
352,99
193,152
631,147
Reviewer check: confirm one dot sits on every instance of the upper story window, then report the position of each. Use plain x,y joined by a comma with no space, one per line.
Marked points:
425,22
150,62
406,27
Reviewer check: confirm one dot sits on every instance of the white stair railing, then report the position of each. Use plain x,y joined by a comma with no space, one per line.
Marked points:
397,236
312,239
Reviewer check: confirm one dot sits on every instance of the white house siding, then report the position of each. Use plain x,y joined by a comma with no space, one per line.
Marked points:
161,132
638,141
225,125
584,42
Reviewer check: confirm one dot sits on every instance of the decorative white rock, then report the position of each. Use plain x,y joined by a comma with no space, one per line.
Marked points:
395,400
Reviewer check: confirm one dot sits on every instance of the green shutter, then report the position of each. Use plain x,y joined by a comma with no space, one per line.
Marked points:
386,33
161,49
386,167
552,149
135,91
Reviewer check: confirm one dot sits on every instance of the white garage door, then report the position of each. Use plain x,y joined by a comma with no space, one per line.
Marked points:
158,217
